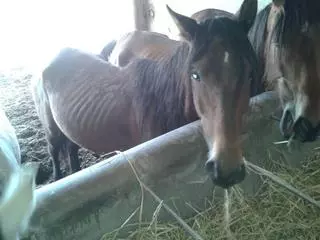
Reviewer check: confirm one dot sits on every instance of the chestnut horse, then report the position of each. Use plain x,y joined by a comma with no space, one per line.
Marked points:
84,101
286,38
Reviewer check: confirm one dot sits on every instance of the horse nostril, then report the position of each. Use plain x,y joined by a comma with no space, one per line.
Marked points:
211,168
225,180
304,131
286,124
239,175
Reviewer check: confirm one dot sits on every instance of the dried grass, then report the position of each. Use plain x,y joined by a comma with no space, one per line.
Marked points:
276,213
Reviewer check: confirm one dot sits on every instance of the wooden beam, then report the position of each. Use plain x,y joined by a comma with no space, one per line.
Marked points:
143,14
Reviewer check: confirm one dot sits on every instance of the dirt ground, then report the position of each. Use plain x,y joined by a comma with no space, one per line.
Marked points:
15,97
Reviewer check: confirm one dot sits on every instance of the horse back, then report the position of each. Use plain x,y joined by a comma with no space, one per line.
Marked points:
142,44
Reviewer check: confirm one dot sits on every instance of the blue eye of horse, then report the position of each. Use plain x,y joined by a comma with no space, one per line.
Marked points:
195,76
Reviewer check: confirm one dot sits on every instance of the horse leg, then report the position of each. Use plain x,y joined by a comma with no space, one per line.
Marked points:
55,145
74,162
55,138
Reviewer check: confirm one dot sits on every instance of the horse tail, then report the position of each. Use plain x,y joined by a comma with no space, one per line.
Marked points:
107,50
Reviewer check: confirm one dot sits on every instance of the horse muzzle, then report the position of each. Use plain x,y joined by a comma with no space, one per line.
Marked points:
300,129
220,179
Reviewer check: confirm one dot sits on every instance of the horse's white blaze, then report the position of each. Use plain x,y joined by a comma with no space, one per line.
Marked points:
226,57
18,202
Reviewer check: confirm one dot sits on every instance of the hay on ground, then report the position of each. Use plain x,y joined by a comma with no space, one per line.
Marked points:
275,213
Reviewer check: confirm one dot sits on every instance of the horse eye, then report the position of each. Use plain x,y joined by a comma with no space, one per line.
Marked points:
195,76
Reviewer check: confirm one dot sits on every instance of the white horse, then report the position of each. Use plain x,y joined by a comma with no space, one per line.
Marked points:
17,201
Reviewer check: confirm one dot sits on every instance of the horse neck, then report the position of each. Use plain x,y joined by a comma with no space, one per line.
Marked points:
164,93
257,36
189,108
179,66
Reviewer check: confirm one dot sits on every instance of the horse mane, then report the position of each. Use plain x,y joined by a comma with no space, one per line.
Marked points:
296,16
162,90
258,31
257,36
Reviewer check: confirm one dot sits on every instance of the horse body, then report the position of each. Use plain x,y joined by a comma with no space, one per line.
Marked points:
142,44
93,101
87,102
90,105
286,38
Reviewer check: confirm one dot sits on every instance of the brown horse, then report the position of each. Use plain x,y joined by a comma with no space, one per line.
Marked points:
208,75
286,37
151,45
155,46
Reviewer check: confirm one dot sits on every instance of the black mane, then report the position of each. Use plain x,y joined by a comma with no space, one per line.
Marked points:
161,90
257,36
257,32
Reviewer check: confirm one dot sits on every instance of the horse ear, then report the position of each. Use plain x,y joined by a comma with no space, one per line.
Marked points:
187,26
247,13
31,168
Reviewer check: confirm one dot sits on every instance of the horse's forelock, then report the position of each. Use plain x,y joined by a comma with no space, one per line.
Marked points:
227,29
231,32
